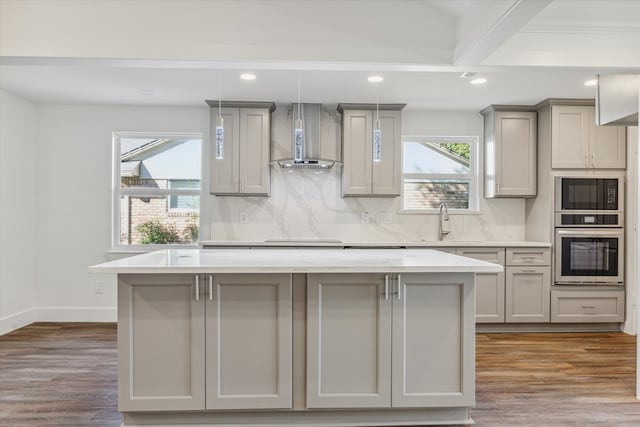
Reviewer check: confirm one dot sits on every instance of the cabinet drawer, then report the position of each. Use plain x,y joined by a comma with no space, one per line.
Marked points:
587,306
494,255
528,256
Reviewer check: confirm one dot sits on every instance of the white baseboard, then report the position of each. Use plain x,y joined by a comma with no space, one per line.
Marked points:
17,320
76,314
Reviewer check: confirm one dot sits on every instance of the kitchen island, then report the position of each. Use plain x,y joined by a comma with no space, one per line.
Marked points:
278,337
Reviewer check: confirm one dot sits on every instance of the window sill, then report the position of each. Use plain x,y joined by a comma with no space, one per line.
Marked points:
437,212
124,251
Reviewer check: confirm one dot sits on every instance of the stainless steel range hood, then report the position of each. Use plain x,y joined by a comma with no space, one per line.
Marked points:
310,120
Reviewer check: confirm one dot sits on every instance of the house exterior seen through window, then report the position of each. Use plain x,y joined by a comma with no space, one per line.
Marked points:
437,170
157,193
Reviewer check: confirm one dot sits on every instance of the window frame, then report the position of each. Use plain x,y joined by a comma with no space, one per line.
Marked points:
474,184
117,191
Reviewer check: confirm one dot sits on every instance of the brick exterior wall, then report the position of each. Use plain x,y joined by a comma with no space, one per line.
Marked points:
429,195
135,210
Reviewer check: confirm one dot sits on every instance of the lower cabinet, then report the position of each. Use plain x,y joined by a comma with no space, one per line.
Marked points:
568,306
527,294
161,340
184,337
390,340
489,286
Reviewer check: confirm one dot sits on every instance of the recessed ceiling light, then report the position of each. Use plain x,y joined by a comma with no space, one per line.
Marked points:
375,79
247,76
592,82
146,92
467,75
478,81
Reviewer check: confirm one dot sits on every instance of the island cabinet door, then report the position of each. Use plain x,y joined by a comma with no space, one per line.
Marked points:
249,349
433,340
160,343
348,341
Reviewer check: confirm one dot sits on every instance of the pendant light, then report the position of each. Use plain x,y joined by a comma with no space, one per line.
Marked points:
219,125
377,133
298,148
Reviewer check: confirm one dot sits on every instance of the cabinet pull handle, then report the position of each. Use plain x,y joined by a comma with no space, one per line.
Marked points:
528,270
593,160
386,286
588,306
211,287
586,160
197,287
399,285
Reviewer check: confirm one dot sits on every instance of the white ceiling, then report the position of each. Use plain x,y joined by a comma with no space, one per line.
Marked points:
151,52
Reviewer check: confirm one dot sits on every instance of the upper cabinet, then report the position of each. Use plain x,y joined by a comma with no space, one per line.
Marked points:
361,175
577,143
510,151
244,167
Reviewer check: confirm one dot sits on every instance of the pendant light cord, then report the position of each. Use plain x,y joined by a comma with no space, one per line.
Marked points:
220,95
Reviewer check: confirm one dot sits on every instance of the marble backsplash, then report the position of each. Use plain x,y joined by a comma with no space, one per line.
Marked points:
306,204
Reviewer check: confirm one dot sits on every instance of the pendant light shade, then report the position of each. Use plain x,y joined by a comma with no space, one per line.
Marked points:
220,125
298,146
377,133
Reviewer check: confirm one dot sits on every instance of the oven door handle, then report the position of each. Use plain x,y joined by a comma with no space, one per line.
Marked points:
594,233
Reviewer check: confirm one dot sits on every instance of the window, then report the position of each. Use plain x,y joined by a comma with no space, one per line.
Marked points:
156,189
437,170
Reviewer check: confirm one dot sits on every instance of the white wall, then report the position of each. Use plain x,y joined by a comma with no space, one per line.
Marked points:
307,203
74,200
18,119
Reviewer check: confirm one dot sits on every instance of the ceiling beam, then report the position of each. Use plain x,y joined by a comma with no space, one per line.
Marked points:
484,29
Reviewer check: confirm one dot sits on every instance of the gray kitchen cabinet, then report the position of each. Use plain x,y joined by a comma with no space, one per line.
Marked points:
527,285
428,309
244,168
248,341
510,157
527,294
489,286
585,306
348,341
206,342
161,343
361,175
370,340
577,143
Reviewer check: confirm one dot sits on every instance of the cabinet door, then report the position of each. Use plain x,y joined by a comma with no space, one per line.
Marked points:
489,297
516,159
570,129
433,341
249,341
225,171
387,172
528,294
357,155
608,147
160,344
254,151
348,341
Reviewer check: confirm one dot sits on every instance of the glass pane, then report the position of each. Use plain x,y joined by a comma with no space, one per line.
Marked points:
428,194
437,157
157,163
152,220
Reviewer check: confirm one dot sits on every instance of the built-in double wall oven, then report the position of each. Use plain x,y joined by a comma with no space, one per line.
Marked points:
589,233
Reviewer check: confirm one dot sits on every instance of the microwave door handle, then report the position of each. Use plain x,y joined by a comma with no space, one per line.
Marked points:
598,233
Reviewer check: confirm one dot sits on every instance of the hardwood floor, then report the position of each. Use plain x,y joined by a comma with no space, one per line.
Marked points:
64,374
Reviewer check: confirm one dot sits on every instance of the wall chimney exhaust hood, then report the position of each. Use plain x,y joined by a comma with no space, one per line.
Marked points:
617,100
310,159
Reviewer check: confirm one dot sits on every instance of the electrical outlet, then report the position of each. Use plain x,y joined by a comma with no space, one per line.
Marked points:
364,217
243,217
99,287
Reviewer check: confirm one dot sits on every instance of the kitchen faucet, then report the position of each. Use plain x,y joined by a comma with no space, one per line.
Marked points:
445,227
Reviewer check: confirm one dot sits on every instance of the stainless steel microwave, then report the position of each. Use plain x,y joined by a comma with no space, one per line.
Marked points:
592,194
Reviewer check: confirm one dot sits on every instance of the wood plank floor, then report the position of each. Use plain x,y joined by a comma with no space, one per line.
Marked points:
64,374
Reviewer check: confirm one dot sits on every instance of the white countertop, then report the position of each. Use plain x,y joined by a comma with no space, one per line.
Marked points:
296,261
339,244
